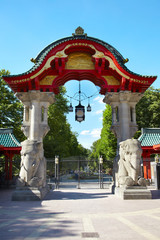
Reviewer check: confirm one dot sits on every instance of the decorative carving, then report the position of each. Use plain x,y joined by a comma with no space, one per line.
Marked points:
78,60
33,60
111,98
129,163
47,80
116,130
36,95
79,31
98,54
33,165
111,80
126,60
125,96
25,130
44,130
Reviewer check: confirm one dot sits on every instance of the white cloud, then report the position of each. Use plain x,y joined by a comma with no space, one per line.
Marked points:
99,111
85,132
99,99
100,118
95,133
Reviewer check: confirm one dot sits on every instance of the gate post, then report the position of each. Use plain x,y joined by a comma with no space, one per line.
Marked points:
31,184
123,113
123,119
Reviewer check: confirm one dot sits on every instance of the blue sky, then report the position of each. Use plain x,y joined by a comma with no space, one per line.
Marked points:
131,26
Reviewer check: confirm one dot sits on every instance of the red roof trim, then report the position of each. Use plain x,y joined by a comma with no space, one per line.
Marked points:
156,147
138,83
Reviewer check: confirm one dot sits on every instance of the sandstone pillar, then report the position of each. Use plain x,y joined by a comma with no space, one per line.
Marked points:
31,184
123,113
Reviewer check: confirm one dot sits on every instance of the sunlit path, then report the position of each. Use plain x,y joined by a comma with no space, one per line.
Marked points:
77,214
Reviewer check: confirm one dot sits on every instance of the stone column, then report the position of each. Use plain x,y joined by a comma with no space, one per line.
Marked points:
31,184
33,126
125,127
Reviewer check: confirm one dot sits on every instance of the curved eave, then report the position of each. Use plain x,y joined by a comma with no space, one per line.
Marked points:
156,147
44,55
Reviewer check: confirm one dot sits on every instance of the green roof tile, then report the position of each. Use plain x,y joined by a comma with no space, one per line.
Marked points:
150,137
7,139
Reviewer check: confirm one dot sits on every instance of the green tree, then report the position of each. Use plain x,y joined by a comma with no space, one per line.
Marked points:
148,110
107,144
60,140
11,109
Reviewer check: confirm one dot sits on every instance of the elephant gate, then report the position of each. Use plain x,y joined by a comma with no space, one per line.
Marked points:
78,57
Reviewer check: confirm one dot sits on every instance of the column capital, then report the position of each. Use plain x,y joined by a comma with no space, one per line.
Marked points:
36,96
122,96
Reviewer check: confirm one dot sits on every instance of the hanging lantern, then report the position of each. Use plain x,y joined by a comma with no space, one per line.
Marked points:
89,108
70,108
79,113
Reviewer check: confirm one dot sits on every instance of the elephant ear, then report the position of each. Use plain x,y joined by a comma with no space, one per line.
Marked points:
121,144
127,148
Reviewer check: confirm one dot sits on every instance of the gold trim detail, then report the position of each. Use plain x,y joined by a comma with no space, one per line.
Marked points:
139,81
111,80
20,81
98,54
47,80
80,60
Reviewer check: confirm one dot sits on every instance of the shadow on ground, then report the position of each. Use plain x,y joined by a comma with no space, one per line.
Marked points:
155,194
30,220
61,195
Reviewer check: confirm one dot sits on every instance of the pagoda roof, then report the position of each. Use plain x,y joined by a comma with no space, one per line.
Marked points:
149,137
7,138
41,56
79,57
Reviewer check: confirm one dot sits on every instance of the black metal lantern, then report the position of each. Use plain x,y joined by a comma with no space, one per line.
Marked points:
70,108
79,113
89,108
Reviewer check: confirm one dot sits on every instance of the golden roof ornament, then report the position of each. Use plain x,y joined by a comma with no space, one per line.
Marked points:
33,60
79,31
126,60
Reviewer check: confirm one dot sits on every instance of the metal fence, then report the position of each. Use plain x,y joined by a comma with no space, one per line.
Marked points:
77,172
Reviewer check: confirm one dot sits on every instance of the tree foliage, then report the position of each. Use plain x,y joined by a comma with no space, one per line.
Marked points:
148,110
147,114
11,109
107,144
61,140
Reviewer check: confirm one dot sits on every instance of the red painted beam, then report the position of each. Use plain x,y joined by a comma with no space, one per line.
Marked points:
156,147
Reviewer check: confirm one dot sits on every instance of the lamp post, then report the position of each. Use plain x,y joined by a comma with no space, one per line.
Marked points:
101,172
78,186
56,172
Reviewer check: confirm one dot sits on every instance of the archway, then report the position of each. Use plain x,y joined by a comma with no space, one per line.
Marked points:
77,57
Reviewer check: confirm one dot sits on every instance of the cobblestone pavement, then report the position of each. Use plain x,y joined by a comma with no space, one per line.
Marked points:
74,214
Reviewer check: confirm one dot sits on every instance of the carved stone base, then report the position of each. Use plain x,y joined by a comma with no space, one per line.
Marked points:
29,194
133,192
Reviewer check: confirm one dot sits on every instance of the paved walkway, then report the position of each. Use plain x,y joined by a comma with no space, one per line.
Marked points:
74,214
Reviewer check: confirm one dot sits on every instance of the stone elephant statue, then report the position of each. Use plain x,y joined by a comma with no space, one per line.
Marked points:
33,165
129,164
